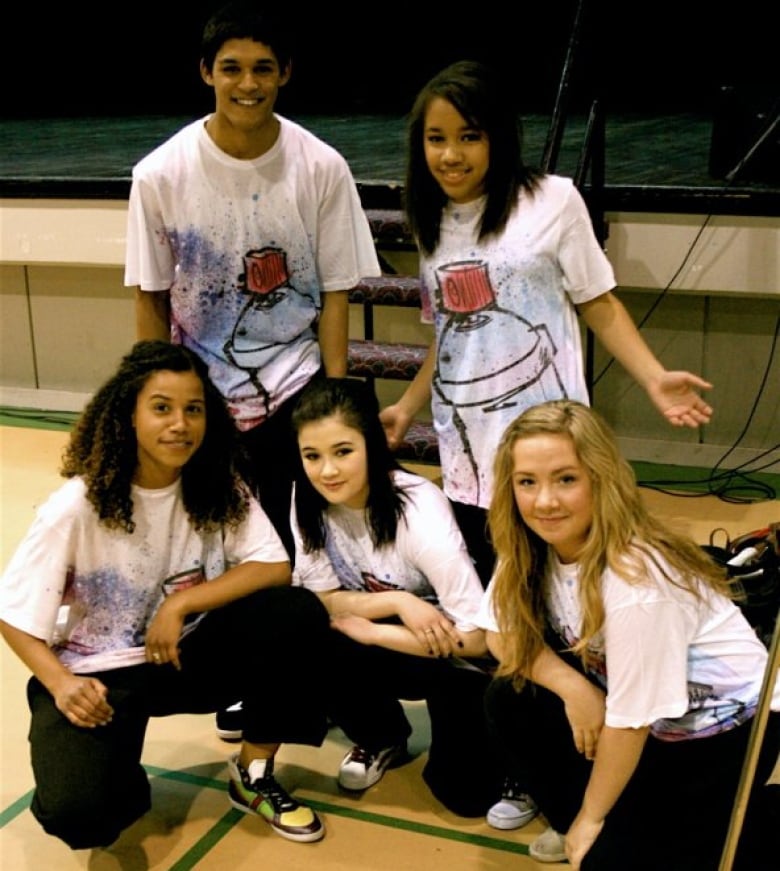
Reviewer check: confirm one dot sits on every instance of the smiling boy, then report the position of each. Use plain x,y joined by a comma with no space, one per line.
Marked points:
245,234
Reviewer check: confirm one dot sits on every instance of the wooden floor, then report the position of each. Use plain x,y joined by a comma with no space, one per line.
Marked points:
395,825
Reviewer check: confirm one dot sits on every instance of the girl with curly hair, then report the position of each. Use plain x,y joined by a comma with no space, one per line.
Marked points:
624,663
144,588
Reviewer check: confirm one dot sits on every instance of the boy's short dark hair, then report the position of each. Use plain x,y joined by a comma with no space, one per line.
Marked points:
245,20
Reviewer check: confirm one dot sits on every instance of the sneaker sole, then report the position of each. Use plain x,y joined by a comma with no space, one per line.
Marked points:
547,858
230,735
301,838
506,825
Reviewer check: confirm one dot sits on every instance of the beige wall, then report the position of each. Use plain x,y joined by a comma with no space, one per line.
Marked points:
65,317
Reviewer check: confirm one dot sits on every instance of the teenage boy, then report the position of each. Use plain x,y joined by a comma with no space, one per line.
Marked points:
245,234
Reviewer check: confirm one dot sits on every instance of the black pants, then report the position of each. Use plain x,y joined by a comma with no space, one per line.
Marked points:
674,812
365,687
271,461
90,784
472,521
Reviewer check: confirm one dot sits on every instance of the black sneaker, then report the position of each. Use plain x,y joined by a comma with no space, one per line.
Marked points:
256,791
362,768
230,722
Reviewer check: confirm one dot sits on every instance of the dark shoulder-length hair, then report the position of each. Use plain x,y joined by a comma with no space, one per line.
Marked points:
103,449
356,404
481,96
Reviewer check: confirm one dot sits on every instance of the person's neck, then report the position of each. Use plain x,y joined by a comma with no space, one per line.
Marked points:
243,144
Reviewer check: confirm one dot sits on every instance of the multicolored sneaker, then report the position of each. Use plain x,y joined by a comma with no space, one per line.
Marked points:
256,791
362,768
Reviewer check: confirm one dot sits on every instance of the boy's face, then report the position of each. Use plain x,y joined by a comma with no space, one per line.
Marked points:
246,79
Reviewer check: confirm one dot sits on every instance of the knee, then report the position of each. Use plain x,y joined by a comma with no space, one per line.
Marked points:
464,800
300,606
86,820
309,605
498,693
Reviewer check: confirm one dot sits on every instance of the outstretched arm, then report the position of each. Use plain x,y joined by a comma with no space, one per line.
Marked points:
674,394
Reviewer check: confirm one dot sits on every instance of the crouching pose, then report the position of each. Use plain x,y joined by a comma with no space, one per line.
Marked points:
628,677
381,547
152,583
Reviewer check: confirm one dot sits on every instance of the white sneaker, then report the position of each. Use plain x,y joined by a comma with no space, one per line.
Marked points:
362,768
513,810
548,847
230,722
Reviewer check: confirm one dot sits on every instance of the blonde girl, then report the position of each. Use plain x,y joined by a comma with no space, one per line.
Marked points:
625,665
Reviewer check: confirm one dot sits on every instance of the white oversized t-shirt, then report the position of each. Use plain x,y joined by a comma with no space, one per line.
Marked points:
90,591
507,332
686,667
246,248
428,557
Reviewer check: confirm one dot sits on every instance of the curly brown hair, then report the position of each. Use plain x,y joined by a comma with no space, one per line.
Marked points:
103,449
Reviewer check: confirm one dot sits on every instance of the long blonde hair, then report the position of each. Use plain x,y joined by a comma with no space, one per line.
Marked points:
623,536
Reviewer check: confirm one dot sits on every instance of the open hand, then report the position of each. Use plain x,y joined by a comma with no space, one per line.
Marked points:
675,395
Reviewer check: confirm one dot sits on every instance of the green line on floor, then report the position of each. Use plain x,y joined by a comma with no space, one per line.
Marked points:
13,810
203,845
346,812
35,418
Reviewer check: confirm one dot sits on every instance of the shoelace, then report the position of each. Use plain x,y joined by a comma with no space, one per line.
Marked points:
511,791
359,754
275,793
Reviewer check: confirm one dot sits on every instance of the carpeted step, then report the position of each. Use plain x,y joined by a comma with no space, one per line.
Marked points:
393,360
420,444
399,290
389,228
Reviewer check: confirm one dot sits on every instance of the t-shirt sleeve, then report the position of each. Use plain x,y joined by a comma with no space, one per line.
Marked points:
255,540
646,644
486,615
587,273
312,570
345,247
433,542
149,259
33,584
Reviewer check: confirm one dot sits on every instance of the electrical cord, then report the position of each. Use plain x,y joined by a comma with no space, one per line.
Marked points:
734,485
730,485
